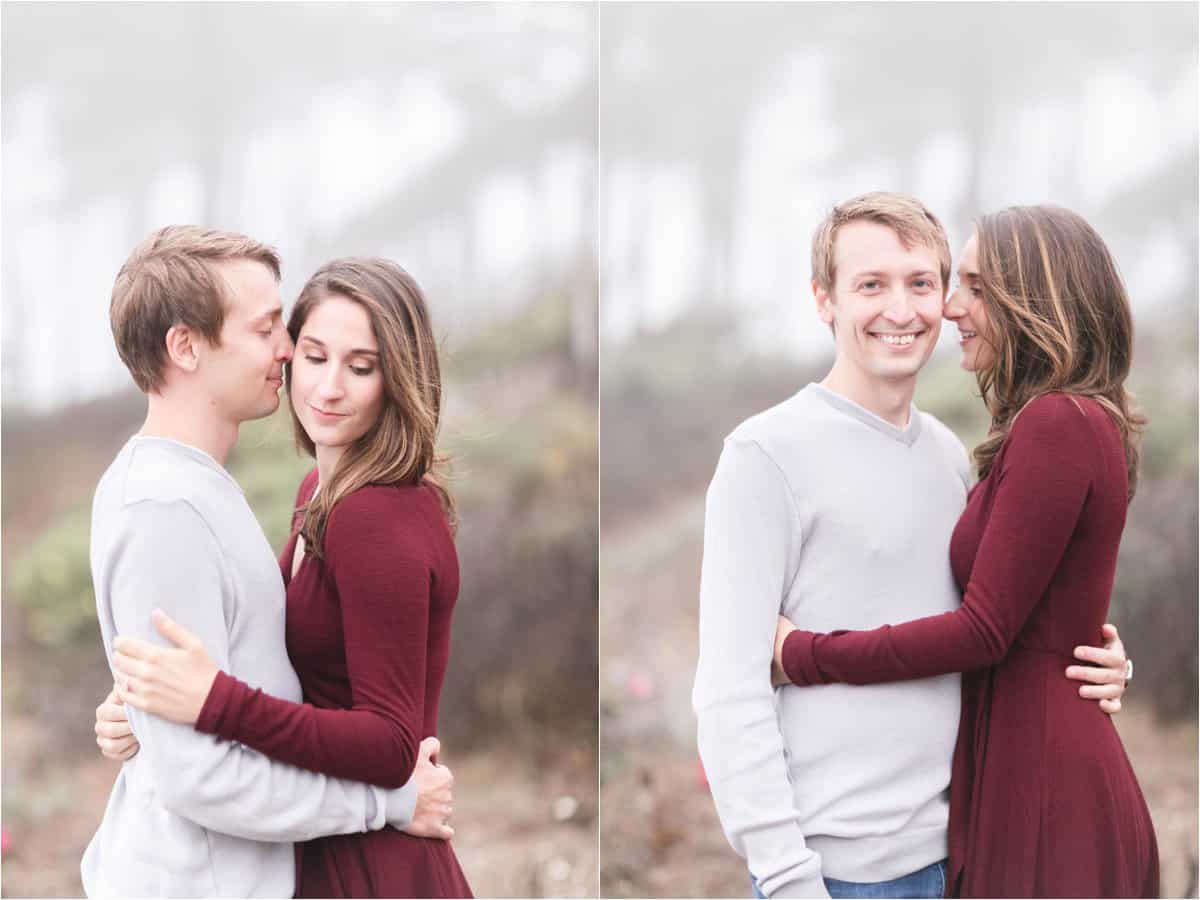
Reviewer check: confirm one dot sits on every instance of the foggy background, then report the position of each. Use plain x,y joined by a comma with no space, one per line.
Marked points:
727,132
459,140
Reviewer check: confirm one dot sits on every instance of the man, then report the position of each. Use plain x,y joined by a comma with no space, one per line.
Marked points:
836,508
198,321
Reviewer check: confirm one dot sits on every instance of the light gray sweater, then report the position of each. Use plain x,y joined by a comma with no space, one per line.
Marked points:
191,815
825,512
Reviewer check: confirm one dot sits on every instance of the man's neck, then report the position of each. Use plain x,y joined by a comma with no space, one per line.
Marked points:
888,399
191,424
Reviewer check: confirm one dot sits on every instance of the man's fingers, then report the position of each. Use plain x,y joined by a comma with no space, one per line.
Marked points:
173,631
1101,657
1100,691
1111,706
1095,675
429,749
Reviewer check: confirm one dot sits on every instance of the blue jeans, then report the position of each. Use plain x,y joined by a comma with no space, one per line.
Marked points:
927,882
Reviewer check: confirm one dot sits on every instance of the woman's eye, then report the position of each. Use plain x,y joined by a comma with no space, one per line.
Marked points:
316,360
358,370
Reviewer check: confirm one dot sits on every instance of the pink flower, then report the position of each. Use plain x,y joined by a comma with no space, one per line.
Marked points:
4,841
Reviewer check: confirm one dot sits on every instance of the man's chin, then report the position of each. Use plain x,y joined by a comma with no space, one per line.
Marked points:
266,408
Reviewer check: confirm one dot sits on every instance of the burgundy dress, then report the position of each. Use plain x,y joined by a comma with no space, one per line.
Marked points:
1043,800
368,632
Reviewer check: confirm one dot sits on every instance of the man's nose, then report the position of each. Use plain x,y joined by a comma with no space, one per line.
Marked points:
286,348
899,309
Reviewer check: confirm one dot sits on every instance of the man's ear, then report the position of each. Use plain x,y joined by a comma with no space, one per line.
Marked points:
824,300
182,349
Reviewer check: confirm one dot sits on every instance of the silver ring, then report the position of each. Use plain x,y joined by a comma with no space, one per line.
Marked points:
1128,671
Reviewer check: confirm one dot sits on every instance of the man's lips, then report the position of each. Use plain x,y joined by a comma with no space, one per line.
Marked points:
897,339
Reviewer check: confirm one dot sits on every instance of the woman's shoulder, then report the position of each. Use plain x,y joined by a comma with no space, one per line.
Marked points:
385,509
308,486
1059,417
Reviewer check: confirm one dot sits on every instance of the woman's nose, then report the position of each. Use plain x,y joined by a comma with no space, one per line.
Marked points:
953,308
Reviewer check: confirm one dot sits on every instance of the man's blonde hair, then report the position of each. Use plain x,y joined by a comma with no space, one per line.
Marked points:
168,280
913,223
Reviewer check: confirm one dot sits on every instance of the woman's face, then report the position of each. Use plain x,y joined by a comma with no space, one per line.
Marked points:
337,386
964,307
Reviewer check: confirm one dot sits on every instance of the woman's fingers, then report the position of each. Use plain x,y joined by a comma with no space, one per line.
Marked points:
120,749
137,648
111,712
132,693
133,668
113,730
173,631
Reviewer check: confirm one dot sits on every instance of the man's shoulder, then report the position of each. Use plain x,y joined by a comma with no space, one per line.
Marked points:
941,432
158,473
789,431
782,417
948,444
149,486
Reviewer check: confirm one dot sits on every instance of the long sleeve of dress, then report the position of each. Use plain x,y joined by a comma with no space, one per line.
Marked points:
373,552
1043,484
167,557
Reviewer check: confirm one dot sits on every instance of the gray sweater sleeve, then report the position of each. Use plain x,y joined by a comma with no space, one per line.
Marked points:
165,556
750,532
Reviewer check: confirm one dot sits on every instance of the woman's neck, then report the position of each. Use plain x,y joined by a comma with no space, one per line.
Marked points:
327,460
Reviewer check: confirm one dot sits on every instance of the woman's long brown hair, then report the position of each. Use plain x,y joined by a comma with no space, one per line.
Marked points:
400,448
1060,321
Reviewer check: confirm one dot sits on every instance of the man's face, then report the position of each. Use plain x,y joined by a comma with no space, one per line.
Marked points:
243,375
886,304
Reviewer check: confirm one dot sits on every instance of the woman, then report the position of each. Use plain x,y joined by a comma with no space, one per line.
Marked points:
1043,799
371,576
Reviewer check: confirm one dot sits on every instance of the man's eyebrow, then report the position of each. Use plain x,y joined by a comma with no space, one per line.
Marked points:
270,313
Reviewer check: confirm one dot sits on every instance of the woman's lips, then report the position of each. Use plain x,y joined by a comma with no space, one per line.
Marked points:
327,416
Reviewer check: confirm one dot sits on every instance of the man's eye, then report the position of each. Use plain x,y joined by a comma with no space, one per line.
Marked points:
870,285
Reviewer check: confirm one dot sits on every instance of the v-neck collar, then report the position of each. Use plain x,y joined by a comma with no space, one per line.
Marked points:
907,435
